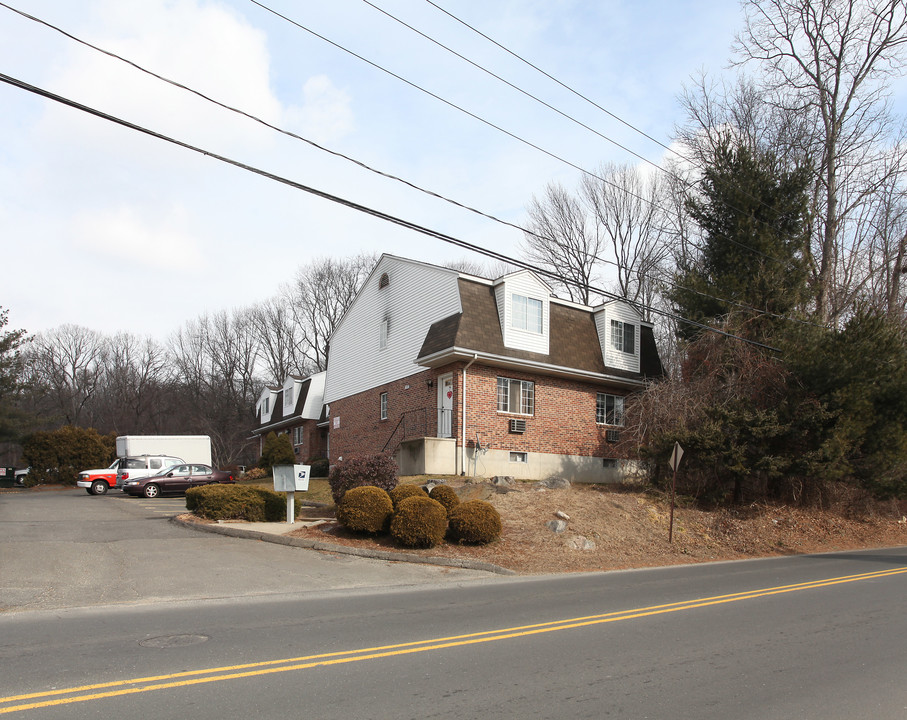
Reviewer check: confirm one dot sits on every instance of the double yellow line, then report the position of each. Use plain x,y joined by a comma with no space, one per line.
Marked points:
85,693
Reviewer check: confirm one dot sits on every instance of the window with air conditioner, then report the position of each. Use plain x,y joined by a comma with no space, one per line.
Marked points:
609,409
516,396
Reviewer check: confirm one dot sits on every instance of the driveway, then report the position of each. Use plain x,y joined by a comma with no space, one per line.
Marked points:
65,548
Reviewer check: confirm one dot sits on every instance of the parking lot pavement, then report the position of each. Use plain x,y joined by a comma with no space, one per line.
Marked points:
65,548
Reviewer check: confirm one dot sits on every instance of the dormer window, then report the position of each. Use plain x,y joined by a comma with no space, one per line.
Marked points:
623,337
527,314
266,406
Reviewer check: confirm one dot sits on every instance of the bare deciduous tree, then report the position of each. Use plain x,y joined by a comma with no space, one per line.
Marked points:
562,240
320,295
829,62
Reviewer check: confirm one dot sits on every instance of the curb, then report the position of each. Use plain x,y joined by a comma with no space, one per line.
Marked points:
388,555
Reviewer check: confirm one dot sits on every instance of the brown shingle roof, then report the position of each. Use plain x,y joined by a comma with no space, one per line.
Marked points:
573,340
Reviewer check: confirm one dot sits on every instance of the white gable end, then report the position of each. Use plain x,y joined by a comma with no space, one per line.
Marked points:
381,334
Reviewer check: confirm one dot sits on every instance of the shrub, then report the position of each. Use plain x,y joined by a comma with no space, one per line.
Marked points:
476,522
378,470
446,496
365,509
255,473
236,502
59,456
401,492
320,466
278,450
419,522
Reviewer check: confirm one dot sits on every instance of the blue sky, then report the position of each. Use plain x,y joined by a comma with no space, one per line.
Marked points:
105,228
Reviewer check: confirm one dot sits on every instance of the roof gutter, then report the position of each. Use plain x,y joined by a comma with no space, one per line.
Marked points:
463,417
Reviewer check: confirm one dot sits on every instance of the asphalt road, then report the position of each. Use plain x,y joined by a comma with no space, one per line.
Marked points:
800,637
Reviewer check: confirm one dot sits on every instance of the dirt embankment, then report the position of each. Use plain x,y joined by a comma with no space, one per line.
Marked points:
608,529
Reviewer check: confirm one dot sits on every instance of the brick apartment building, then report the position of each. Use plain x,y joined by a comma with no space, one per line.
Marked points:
460,374
294,408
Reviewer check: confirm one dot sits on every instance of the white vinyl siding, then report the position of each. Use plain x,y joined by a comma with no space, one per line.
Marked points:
416,296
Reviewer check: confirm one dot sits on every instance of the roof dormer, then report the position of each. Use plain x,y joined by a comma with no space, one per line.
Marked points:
618,324
264,407
523,301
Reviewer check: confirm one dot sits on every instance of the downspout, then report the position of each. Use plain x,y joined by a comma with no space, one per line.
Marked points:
463,417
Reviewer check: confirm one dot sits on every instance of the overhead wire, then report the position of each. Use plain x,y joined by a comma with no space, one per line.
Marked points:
408,183
387,217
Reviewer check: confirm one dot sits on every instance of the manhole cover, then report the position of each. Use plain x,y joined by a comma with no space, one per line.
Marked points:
171,641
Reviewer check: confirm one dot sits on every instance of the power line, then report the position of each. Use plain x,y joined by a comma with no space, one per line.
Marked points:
400,222
332,152
410,184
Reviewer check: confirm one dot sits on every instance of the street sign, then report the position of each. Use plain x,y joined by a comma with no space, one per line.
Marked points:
676,454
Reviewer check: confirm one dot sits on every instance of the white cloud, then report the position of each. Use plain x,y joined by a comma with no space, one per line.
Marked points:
121,234
325,114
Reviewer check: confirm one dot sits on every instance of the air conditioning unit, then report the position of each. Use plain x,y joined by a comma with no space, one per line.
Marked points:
517,425
612,435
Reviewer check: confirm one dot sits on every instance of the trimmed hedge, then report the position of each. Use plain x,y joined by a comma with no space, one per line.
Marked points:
419,522
237,502
378,470
402,492
446,496
365,509
475,522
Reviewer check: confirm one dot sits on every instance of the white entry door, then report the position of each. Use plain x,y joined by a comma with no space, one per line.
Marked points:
445,405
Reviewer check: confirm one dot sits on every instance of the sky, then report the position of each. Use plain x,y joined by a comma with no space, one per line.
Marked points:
107,228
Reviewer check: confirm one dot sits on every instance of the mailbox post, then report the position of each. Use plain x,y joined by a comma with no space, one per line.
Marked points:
290,479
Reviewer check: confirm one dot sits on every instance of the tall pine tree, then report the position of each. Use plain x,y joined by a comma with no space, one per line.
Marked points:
753,213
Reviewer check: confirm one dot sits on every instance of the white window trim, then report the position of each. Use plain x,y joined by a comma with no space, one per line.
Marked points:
619,335
601,400
521,320
524,385
383,411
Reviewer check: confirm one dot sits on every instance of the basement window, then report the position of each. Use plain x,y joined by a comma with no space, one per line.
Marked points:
519,457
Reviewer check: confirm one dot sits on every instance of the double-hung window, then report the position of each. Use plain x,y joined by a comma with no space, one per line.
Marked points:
516,396
623,336
298,435
384,406
609,409
527,314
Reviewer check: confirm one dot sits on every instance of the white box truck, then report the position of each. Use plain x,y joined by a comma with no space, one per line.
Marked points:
191,448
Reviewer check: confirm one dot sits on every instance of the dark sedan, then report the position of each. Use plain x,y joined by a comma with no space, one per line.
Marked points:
177,479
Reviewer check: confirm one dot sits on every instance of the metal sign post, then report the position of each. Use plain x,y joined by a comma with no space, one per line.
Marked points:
289,479
675,463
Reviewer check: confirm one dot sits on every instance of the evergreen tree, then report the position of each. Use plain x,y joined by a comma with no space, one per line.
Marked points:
753,214
278,450
10,378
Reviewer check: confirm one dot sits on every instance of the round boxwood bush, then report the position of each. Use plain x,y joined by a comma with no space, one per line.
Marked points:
446,496
475,522
365,509
404,491
419,522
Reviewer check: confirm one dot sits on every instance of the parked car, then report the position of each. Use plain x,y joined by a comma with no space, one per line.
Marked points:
177,479
143,466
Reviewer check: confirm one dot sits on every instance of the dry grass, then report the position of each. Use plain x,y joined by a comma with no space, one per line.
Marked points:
625,529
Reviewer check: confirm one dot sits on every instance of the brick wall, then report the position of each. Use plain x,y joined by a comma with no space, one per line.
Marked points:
563,421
